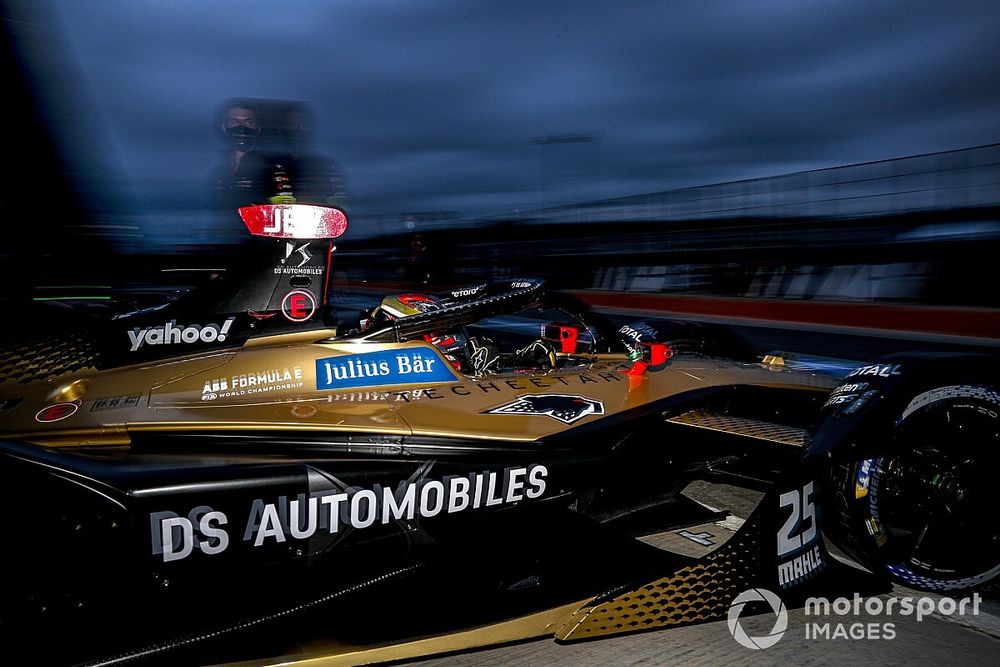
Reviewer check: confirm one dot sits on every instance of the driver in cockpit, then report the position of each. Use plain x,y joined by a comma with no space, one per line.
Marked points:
471,354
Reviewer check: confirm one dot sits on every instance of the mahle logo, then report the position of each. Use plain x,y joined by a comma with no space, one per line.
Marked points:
780,623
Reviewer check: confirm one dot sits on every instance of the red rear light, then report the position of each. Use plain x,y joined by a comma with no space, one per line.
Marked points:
294,221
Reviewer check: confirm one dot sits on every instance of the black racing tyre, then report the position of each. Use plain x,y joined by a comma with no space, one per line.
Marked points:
926,513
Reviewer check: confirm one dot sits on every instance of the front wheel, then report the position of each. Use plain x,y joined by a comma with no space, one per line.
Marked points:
927,512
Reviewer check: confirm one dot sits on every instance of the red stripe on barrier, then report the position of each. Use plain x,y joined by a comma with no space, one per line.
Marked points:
940,320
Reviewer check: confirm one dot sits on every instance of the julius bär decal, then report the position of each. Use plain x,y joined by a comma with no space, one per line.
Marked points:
391,367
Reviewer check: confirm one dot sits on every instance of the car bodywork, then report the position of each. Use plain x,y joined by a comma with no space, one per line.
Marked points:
236,476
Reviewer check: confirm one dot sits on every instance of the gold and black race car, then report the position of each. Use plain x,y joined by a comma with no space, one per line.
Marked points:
242,474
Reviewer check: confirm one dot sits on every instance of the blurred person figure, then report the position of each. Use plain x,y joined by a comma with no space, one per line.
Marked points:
312,177
244,175
417,268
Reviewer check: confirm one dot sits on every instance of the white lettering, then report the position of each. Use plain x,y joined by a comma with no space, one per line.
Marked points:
270,526
333,503
203,529
356,520
213,533
396,511
167,538
514,485
294,520
456,494
136,336
172,334
536,478
426,508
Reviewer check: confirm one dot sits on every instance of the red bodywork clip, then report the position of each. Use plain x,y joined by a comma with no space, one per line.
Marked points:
565,336
653,354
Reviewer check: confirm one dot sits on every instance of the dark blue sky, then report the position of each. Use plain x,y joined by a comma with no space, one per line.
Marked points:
433,105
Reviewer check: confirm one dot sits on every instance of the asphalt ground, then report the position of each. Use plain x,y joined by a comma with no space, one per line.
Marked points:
935,640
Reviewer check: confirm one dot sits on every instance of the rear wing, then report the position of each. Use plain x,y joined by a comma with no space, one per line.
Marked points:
294,221
295,281
280,286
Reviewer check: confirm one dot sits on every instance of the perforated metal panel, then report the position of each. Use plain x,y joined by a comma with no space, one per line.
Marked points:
742,426
696,593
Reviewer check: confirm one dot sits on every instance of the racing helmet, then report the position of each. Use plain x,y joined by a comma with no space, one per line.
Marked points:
401,305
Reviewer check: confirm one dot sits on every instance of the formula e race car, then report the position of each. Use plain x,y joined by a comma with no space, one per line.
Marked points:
250,472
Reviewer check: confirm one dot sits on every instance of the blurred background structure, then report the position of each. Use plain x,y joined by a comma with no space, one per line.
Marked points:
794,157
920,229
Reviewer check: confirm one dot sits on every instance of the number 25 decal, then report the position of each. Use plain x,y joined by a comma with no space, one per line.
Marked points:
791,537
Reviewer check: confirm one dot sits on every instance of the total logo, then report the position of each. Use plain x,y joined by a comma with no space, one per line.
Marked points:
298,305
879,370
172,333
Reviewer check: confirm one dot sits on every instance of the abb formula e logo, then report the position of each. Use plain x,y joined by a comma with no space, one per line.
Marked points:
561,407
298,305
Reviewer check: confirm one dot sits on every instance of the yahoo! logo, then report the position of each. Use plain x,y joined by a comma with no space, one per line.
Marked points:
172,333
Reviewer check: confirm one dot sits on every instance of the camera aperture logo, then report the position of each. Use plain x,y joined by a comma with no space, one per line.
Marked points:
780,622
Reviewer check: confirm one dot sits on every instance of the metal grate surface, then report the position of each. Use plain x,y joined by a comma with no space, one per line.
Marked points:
699,592
743,426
